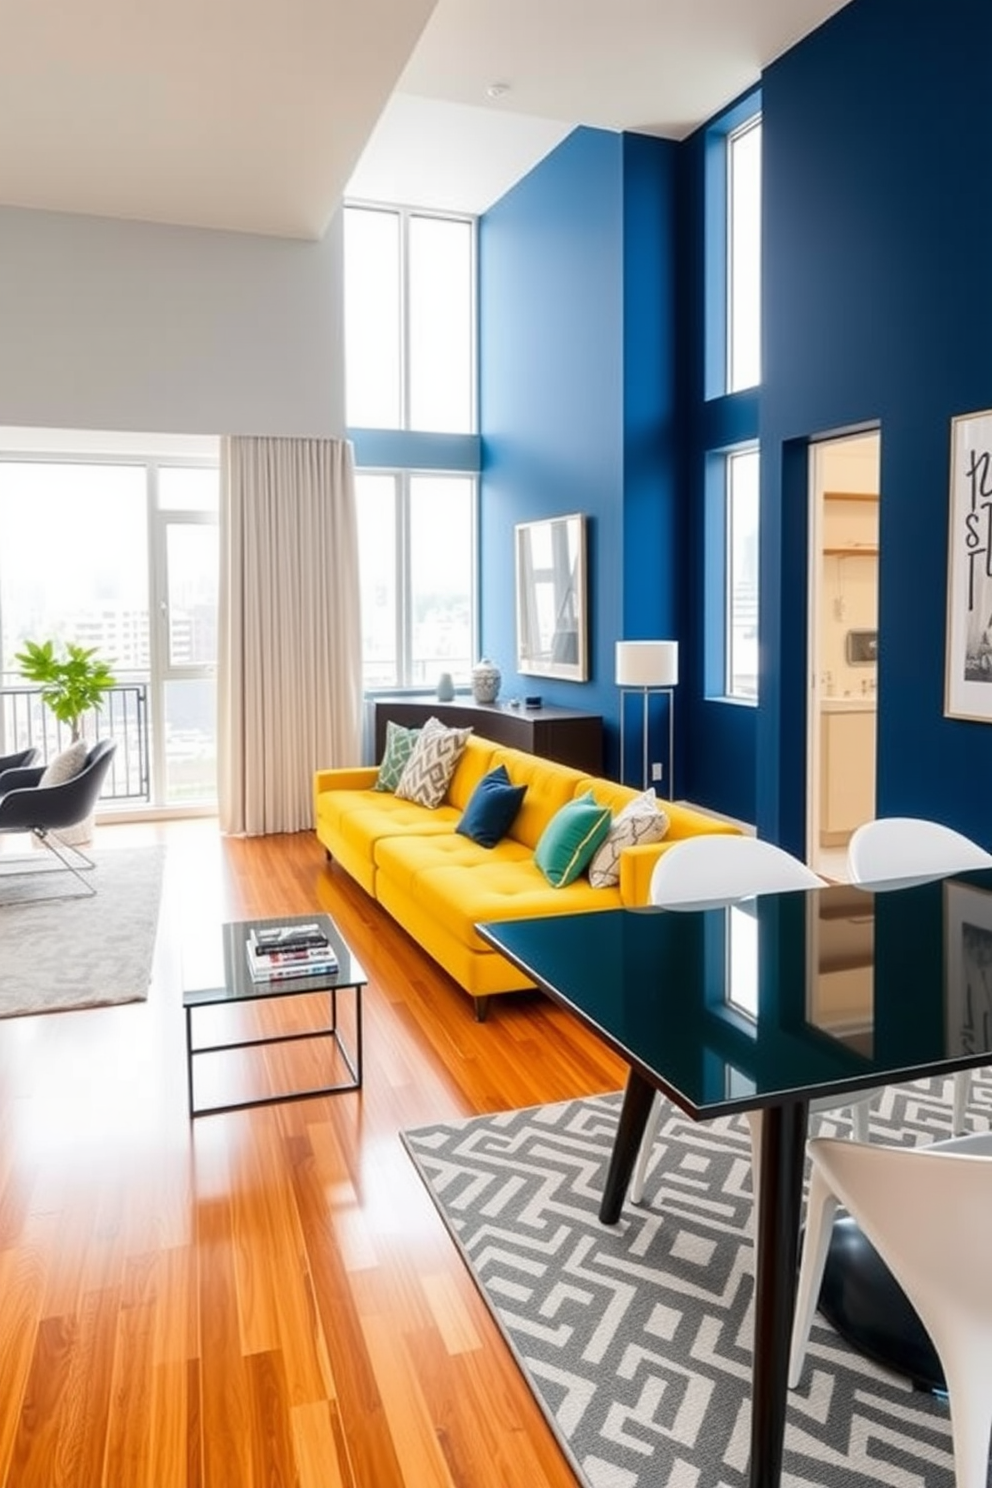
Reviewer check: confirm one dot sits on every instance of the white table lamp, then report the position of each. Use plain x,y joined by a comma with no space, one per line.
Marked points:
648,667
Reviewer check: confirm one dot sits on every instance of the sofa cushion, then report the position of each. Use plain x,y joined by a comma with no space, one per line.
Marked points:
491,811
408,860
398,749
460,895
364,822
570,839
427,772
641,820
549,786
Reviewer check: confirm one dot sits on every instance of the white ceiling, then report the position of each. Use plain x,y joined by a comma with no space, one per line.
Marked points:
255,115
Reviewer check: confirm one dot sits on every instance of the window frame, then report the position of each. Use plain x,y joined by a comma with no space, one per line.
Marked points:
738,133
405,215
729,601
149,462
717,230
402,477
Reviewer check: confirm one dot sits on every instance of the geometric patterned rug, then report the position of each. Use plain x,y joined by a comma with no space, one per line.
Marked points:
636,1338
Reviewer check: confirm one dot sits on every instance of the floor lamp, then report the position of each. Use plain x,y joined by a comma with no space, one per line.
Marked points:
648,667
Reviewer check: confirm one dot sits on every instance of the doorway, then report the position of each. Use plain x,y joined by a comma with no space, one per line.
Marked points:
843,644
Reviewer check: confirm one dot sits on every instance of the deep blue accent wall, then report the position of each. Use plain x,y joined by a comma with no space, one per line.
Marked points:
877,233
653,444
576,393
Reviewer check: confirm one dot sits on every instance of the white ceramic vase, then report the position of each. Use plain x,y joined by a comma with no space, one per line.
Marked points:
486,677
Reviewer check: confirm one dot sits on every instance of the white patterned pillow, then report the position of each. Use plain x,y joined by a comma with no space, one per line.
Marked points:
431,765
641,820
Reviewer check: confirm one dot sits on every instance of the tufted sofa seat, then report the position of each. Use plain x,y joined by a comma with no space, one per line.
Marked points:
439,884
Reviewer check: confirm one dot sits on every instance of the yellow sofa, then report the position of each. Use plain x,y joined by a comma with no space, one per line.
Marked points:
439,884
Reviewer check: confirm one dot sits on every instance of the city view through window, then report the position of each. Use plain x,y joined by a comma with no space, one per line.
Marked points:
128,564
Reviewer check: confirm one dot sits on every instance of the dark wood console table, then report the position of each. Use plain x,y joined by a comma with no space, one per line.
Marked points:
561,734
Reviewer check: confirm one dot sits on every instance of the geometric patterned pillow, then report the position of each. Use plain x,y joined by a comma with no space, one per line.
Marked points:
641,820
399,747
431,765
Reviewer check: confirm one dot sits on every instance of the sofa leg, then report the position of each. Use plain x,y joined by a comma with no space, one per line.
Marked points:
481,1008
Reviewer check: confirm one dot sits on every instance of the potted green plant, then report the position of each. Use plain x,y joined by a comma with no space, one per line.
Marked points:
72,681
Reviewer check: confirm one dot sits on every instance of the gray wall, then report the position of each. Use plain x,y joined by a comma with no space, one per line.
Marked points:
107,324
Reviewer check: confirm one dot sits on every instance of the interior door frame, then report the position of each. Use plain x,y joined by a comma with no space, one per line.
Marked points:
814,586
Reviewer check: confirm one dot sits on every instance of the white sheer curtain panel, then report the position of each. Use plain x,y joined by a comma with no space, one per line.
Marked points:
290,651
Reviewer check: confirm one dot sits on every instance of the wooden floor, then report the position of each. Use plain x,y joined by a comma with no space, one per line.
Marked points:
266,1297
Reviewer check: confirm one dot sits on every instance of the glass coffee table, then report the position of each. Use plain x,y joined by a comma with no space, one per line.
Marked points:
239,987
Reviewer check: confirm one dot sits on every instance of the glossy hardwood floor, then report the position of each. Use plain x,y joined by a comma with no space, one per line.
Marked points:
266,1297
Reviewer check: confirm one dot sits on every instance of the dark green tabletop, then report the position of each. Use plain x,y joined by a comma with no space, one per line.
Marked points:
788,994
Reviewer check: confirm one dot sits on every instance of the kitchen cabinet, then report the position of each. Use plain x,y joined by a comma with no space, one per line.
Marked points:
847,772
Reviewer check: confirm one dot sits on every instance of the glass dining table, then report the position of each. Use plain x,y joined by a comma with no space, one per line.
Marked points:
767,1005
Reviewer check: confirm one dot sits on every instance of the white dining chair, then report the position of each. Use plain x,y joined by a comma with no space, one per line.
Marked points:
701,872
894,851
937,1248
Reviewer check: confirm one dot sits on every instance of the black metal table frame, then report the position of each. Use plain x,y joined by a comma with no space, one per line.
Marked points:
783,1150
224,999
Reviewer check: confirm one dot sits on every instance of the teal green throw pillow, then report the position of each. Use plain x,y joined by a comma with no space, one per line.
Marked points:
399,747
567,844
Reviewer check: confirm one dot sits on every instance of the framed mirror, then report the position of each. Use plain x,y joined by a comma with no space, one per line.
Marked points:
551,598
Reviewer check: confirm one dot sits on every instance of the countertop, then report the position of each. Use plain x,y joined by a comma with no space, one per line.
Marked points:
858,704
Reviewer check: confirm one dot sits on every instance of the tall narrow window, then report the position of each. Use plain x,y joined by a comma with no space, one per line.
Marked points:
442,527
742,575
441,343
372,319
377,499
417,557
744,256
409,320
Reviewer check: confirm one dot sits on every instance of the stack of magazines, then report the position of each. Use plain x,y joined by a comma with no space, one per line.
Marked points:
279,951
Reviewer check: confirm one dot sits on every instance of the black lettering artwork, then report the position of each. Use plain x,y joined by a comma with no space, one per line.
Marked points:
977,521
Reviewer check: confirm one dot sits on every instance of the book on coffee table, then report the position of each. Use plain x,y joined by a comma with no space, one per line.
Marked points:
270,966
275,939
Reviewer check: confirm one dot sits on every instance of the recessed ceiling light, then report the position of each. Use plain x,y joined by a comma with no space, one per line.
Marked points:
496,90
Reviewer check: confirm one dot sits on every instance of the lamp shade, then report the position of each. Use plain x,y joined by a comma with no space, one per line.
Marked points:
647,663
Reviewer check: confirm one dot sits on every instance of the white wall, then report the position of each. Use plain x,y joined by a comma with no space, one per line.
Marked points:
107,324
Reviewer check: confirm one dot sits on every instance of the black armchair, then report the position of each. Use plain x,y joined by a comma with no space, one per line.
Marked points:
15,761
43,810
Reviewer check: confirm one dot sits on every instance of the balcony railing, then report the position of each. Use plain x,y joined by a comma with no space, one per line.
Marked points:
25,721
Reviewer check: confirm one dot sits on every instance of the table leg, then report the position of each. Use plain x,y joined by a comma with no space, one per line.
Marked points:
189,1060
637,1098
783,1149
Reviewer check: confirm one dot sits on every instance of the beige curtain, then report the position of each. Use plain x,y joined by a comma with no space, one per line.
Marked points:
289,657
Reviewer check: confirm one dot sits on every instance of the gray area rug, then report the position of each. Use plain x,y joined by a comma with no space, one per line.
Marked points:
74,953
636,1340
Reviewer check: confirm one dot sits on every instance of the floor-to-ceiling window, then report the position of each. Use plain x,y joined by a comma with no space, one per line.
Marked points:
732,376
410,317
118,551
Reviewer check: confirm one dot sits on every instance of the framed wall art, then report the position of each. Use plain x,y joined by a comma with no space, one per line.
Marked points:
551,598
968,663
968,967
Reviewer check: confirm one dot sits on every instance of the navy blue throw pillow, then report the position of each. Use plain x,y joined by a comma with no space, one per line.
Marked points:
492,808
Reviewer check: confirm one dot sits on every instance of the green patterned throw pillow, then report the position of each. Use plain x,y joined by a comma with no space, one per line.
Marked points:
399,747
